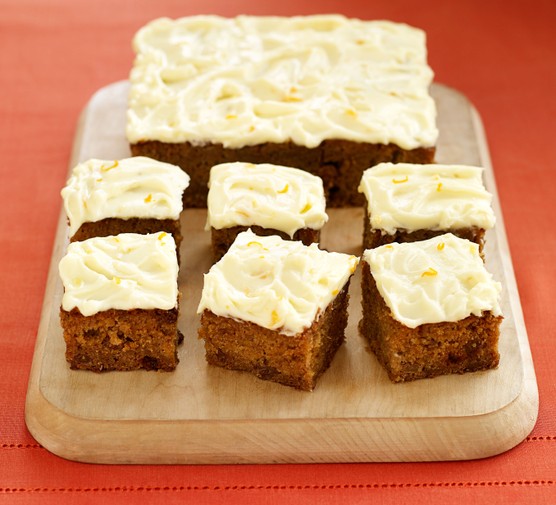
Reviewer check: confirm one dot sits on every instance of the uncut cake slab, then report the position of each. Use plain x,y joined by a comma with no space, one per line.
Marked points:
201,414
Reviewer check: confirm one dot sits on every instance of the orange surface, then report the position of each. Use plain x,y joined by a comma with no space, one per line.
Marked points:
55,54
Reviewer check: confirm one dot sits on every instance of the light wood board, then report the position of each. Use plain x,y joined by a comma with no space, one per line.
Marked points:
202,414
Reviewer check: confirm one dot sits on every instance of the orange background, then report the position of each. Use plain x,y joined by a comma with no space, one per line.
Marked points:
54,54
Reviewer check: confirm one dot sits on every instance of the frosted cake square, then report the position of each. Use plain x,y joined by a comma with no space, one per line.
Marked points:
269,199
323,93
430,308
408,202
276,308
131,195
120,303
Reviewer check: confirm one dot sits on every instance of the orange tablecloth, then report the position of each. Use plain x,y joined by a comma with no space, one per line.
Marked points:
55,54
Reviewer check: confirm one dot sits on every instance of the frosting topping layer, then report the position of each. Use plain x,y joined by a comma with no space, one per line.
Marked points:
435,280
131,187
436,197
251,80
126,271
278,284
271,196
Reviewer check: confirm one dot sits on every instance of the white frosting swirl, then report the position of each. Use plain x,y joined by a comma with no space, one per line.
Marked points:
126,271
436,197
435,280
278,284
272,196
126,188
251,80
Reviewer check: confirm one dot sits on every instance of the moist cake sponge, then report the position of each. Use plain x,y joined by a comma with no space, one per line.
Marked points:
408,202
269,199
130,195
276,308
430,308
120,304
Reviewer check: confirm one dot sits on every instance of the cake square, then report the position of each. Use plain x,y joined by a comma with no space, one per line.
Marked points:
120,303
323,93
269,199
131,195
408,202
276,308
430,308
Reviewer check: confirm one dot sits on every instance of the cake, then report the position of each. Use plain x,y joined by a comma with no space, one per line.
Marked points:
430,308
408,202
120,303
269,199
323,93
132,195
275,308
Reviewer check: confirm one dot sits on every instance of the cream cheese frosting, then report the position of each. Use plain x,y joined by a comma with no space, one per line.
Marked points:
131,187
272,196
278,284
251,80
435,280
436,197
126,271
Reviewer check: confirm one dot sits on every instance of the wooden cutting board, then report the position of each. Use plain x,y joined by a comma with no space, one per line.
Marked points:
202,414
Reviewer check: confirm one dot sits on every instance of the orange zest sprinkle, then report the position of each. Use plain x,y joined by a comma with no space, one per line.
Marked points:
274,318
305,209
290,98
117,280
399,181
431,272
351,112
251,128
253,242
162,235
335,292
284,189
148,198
231,116
439,187
105,169
440,246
